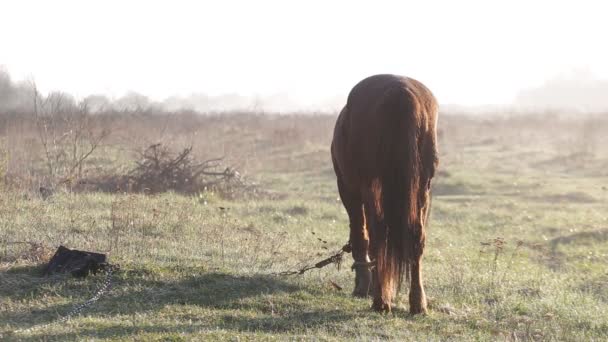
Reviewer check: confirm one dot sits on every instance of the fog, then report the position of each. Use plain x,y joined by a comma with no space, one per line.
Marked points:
276,56
18,95
577,90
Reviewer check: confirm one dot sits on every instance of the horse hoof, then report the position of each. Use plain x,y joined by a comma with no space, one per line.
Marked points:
363,283
381,307
362,290
359,293
418,311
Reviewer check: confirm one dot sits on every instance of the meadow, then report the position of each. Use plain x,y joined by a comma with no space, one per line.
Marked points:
517,245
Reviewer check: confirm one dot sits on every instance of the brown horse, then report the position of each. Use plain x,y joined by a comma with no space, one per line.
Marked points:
384,153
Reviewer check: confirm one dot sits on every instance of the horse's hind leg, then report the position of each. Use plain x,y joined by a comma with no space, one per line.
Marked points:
359,240
379,303
417,295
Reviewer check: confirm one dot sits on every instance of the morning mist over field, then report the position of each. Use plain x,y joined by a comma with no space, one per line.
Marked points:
576,91
278,56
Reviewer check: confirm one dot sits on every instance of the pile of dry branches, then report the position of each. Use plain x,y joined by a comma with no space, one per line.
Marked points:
159,170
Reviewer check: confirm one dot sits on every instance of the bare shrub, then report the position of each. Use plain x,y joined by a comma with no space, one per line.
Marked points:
68,136
160,171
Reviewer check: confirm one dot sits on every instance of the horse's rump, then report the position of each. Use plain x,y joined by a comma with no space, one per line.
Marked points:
384,148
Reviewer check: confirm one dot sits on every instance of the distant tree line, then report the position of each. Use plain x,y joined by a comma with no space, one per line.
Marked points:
18,97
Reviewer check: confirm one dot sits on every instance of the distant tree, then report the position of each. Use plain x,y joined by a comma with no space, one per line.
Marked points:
6,88
98,103
132,101
14,96
60,103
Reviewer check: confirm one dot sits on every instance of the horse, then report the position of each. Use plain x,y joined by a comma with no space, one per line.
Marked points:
384,154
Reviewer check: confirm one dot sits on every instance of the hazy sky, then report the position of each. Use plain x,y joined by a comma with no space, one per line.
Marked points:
467,52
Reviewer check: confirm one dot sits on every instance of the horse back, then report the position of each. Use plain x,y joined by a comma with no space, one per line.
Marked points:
377,115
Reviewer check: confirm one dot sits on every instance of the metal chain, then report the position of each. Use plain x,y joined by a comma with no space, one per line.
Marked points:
101,290
333,259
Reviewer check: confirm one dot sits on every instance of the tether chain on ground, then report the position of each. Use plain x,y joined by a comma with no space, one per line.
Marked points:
103,288
333,259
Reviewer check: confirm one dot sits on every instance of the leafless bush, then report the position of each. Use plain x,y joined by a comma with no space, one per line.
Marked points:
160,171
68,136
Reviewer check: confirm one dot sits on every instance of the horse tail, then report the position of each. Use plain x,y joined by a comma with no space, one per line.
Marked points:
401,238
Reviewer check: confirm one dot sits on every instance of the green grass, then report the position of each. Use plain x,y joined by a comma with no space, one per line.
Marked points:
191,271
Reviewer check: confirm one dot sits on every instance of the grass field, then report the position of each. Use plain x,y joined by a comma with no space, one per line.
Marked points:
517,246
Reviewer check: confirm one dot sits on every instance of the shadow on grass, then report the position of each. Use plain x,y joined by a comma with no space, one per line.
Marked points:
138,292
294,323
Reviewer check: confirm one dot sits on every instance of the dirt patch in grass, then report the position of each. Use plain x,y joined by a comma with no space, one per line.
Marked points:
576,197
297,210
599,235
452,189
